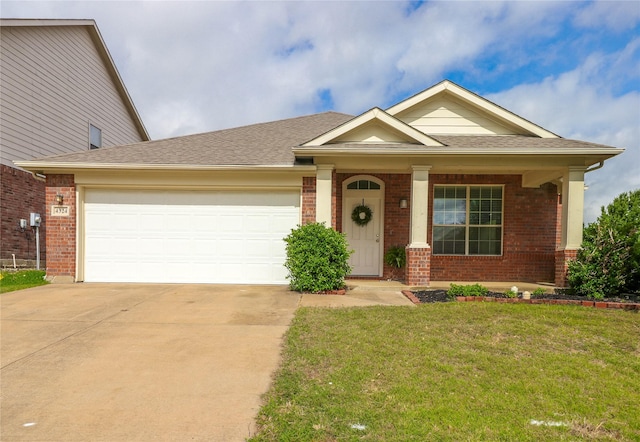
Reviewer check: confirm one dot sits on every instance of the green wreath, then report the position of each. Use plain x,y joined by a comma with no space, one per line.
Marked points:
361,215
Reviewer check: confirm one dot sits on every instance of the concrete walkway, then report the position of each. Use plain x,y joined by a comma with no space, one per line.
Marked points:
134,362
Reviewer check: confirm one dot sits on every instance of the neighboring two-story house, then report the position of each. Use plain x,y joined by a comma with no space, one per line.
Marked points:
60,92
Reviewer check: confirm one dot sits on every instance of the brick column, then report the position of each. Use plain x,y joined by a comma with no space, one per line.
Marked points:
418,271
61,230
562,259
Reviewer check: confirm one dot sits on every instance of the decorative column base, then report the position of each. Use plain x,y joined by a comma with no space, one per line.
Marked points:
418,271
562,265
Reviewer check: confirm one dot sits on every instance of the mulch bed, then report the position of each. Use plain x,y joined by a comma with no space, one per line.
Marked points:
429,296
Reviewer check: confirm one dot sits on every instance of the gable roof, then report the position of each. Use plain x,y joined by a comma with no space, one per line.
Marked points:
474,101
262,144
380,118
96,37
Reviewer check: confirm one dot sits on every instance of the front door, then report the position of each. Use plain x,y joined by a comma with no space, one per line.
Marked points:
365,240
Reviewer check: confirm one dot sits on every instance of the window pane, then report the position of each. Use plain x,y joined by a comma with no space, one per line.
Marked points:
448,240
374,186
482,216
363,184
353,185
485,241
95,137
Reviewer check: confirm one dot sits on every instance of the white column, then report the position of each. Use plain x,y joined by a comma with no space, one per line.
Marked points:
572,208
419,206
323,193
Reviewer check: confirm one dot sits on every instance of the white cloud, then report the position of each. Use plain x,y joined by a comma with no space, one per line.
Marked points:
580,104
615,15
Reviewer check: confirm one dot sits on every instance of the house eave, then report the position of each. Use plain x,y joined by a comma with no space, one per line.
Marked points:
49,167
448,151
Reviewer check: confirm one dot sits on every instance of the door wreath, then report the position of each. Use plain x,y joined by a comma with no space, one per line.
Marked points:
361,215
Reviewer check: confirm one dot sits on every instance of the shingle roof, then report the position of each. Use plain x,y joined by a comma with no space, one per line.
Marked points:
256,144
274,144
512,142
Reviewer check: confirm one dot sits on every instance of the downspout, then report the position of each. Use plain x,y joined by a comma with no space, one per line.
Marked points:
599,166
39,176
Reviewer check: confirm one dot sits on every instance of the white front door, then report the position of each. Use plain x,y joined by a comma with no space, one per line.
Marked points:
366,241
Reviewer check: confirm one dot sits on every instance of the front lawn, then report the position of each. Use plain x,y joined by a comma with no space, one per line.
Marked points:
24,279
457,371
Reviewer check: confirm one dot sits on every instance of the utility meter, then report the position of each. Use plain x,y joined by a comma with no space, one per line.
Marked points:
35,220
23,224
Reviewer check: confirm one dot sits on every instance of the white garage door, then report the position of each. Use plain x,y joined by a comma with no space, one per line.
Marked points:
188,236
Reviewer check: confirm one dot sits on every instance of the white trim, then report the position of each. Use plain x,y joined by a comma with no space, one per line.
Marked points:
376,114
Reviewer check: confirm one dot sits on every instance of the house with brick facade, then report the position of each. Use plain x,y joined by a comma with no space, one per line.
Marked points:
60,92
470,190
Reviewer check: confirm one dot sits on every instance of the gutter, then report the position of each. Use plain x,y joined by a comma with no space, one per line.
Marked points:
36,167
599,166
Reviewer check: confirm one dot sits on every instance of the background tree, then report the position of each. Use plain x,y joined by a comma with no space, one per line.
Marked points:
608,262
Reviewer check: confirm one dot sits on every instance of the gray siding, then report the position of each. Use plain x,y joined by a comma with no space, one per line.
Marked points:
53,83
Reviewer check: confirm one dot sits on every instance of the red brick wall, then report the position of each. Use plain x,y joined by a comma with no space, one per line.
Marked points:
61,237
396,220
529,234
20,195
308,200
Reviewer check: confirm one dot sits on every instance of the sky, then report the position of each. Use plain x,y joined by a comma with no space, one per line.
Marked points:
196,66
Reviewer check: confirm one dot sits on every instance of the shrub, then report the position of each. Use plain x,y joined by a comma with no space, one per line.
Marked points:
317,258
467,290
395,257
510,294
608,262
539,292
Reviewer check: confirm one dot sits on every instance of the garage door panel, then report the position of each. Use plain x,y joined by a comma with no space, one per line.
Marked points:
206,237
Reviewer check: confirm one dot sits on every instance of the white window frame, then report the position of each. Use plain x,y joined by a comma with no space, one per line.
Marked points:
467,225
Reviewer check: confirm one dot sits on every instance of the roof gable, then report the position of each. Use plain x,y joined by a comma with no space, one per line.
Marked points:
447,108
373,127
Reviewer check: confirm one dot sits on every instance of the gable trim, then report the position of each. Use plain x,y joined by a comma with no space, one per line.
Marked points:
375,114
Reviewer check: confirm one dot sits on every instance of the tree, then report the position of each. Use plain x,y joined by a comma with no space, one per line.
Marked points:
608,262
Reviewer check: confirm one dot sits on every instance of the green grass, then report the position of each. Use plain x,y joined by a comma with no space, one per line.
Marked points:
23,279
457,372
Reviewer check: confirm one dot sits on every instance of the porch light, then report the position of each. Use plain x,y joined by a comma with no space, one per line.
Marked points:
59,199
403,203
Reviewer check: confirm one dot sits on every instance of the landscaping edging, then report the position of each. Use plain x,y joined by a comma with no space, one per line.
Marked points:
584,303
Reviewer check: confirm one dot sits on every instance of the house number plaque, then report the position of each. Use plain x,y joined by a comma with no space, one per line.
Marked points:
60,211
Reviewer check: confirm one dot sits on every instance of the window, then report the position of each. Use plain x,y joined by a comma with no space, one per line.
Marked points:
363,185
467,220
95,137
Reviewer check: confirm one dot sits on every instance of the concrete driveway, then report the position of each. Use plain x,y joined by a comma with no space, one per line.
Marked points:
125,362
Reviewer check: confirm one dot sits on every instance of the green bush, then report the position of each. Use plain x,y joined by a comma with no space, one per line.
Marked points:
395,257
467,290
317,258
539,292
608,262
